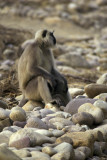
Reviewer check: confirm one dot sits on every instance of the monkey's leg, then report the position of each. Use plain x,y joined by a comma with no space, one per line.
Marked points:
23,102
37,89
44,90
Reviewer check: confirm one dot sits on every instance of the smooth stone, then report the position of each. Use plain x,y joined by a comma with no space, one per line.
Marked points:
60,114
4,113
4,137
86,150
83,118
45,132
39,155
45,112
57,133
12,128
35,138
19,124
22,153
102,96
76,128
58,125
52,107
102,105
65,122
29,158
49,150
97,150
20,143
81,139
35,122
96,112
75,92
18,114
73,105
4,123
93,90
3,104
103,129
64,151
79,155
30,105
6,153
74,60
102,79
68,70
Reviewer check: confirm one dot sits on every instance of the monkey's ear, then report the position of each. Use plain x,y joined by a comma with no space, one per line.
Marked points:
44,33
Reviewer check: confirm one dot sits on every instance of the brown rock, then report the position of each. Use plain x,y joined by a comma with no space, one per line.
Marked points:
93,90
81,139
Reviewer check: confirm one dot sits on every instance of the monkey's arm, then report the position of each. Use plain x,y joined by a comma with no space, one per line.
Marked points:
39,71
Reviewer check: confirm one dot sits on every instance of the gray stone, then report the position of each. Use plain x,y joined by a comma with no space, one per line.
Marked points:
35,138
73,105
22,153
4,113
83,118
49,150
102,79
4,123
3,104
35,122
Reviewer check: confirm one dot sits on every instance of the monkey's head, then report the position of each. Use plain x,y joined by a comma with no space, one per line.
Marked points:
46,38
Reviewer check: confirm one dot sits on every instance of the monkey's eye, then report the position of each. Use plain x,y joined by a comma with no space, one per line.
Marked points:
44,33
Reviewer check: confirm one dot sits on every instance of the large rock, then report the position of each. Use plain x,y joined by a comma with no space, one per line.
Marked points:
81,139
93,90
35,138
73,105
6,154
96,112
18,114
83,118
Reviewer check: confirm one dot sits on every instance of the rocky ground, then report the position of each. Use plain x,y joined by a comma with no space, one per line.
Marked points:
77,131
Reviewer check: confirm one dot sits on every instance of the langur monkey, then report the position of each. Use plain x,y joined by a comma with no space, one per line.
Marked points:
38,77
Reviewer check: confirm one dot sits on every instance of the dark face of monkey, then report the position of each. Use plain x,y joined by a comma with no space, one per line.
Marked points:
49,38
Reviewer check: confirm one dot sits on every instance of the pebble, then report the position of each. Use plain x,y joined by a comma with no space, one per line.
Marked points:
4,136
102,96
45,112
4,123
35,122
93,90
73,105
79,155
49,150
83,118
20,143
22,153
4,113
3,104
5,152
102,105
96,112
18,114
40,155
75,92
102,79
